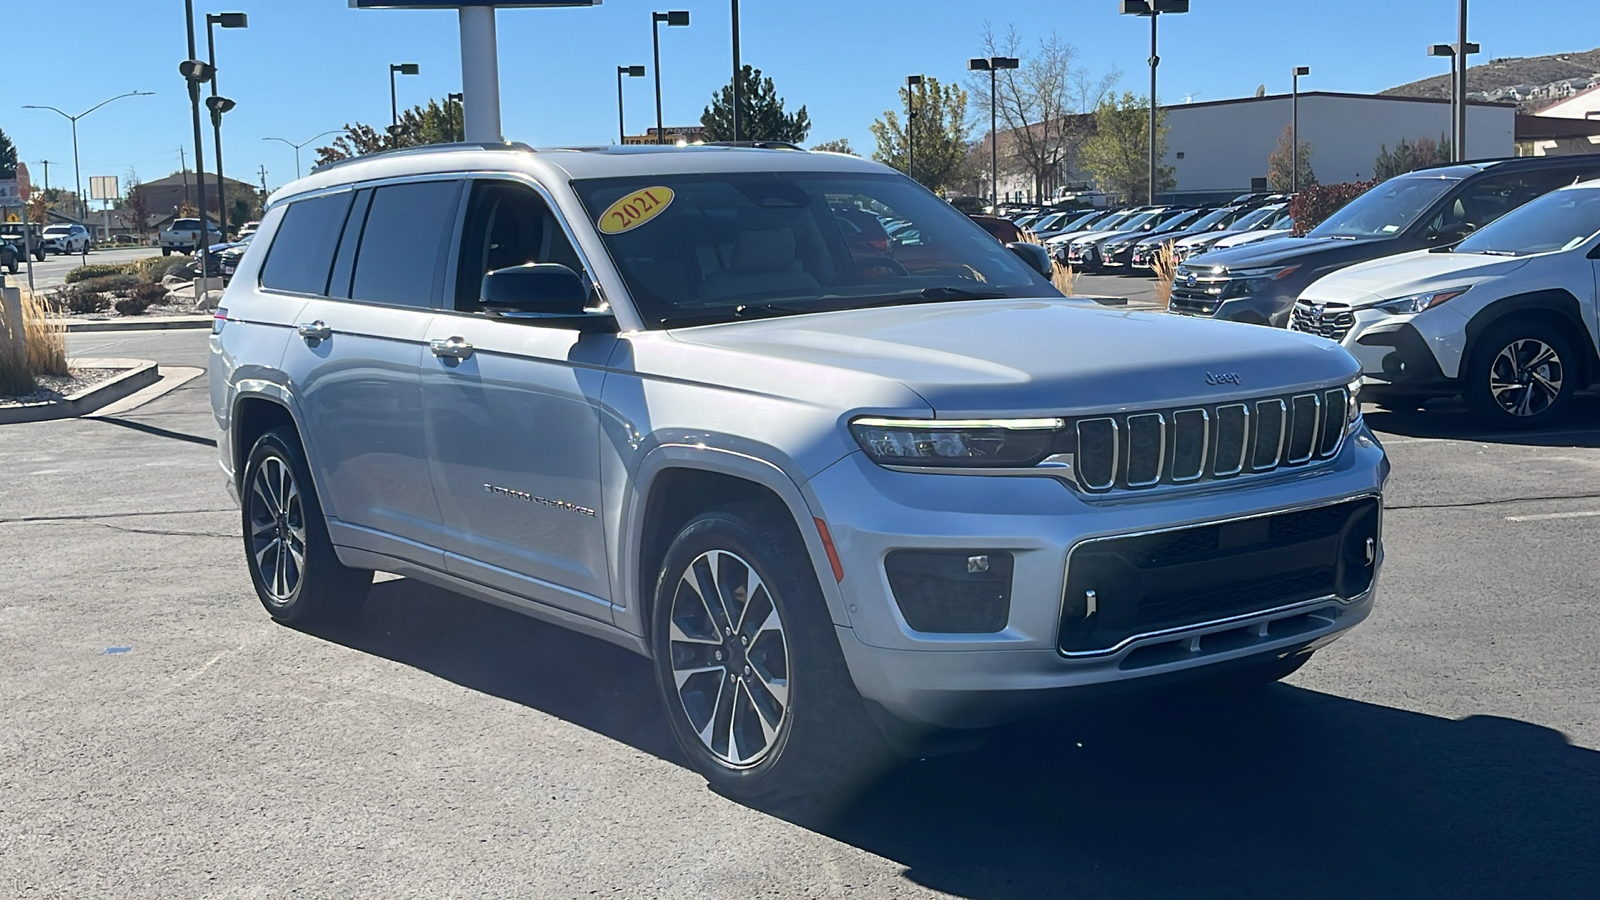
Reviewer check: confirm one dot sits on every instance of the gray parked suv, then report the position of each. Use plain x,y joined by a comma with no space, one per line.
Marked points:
842,490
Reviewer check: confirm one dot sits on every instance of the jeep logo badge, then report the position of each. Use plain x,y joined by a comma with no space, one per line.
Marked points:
1220,378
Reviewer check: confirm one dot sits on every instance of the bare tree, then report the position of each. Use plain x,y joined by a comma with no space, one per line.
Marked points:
1042,106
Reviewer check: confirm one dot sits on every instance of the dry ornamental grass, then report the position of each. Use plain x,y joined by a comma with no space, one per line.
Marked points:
44,347
1165,265
1061,276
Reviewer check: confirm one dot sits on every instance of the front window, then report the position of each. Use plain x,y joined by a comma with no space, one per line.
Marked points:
1557,221
698,249
57,229
1387,209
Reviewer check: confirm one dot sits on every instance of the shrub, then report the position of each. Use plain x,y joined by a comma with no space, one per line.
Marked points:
95,270
121,281
1319,201
73,300
133,305
150,293
152,269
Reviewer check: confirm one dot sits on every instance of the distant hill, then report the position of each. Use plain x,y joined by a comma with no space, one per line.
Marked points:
1529,81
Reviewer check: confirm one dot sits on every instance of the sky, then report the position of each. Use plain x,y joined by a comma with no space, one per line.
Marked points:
307,66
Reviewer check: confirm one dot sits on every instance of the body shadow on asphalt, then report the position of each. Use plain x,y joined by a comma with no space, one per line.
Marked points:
1449,419
1278,793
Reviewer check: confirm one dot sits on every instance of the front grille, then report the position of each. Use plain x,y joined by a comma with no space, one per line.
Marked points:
1141,450
1121,588
1330,320
1202,296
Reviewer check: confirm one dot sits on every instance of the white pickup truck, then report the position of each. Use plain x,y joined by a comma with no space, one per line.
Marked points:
184,236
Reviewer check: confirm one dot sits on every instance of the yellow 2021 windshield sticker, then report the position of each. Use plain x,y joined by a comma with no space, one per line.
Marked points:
635,209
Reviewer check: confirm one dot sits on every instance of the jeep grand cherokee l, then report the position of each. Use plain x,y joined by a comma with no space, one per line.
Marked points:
837,492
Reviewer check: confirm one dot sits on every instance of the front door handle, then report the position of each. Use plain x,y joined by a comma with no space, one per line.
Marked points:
451,348
315,331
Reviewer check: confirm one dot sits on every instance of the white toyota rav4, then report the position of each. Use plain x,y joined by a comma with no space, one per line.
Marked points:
1506,318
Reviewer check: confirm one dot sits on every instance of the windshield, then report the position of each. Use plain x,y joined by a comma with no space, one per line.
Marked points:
1284,219
1080,221
1214,219
1253,218
1387,209
1183,219
1131,224
57,229
697,249
1048,223
1560,220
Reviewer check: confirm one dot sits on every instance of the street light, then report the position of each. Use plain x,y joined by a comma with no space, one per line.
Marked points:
1294,129
912,83
1449,50
394,107
219,105
631,72
674,19
1153,9
196,72
738,89
77,182
993,65
299,145
459,99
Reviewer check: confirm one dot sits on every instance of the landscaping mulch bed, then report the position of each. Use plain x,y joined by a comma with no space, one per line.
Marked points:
49,388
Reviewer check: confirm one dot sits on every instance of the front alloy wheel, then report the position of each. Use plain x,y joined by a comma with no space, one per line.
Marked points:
730,660
277,529
1526,377
1521,375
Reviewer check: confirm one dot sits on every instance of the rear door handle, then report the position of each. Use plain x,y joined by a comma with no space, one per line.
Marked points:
315,331
451,348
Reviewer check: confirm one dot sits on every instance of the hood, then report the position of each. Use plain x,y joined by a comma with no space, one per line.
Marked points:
1250,237
1037,357
1090,237
1370,283
1291,251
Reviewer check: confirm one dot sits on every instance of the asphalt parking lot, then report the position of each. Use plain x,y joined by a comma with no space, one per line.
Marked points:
161,737
53,271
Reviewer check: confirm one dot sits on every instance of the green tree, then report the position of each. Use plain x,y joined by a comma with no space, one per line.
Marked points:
8,157
761,113
841,145
1408,156
1118,154
940,129
419,125
1280,168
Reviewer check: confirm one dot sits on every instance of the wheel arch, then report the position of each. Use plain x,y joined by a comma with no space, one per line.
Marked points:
676,483
1554,307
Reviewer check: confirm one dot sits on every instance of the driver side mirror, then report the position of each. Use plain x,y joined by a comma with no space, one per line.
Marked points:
541,294
1037,257
1449,234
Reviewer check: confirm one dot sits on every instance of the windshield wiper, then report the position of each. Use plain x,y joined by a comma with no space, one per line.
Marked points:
937,294
1496,252
934,295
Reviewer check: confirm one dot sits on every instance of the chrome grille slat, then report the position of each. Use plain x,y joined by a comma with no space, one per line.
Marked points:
1223,453
1280,426
1141,445
1202,442
1334,323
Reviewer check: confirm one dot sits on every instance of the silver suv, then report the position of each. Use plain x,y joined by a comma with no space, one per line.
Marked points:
844,482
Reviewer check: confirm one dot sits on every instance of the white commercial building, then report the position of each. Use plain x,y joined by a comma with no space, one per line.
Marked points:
1223,146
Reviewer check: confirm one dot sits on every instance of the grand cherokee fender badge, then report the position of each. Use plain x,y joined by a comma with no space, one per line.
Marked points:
1220,378
530,498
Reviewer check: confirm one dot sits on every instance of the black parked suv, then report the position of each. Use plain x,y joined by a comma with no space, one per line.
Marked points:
16,239
1430,207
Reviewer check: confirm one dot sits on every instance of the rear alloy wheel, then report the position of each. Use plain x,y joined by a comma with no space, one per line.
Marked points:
296,573
1521,376
748,662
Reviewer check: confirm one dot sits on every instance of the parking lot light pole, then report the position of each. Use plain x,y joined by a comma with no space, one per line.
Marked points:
1294,129
912,83
460,100
674,19
219,105
1455,96
1153,9
738,89
631,72
1460,84
76,181
299,145
394,104
197,72
993,65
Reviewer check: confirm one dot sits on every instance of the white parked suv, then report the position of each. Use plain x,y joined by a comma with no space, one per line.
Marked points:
1506,318
840,490
64,239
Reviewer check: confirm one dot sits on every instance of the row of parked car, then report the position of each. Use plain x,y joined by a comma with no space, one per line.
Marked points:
1476,280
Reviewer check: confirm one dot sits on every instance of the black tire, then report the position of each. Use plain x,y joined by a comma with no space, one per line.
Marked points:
166,251
825,748
322,588
1529,401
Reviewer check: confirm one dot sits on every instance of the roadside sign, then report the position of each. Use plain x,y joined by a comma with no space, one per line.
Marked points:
462,4
12,217
24,184
103,187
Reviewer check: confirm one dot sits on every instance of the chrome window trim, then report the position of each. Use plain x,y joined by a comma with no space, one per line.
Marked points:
1161,450
1316,428
1169,633
1283,433
1116,451
1244,440
1205,444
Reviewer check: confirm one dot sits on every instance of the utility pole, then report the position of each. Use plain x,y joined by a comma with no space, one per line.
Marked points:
46,164
263,172
738,89
183,169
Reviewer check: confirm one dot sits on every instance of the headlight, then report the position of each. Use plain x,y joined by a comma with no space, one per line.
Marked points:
1353,407
1416,303
956,443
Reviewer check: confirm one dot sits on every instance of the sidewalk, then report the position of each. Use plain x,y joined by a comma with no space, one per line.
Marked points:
140,323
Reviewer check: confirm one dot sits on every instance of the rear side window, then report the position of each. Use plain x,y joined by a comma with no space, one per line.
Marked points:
302,251
402,246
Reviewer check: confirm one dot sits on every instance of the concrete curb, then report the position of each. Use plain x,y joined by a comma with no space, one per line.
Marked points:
140,374
153,323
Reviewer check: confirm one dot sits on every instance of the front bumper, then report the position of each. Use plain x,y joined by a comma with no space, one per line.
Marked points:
974,680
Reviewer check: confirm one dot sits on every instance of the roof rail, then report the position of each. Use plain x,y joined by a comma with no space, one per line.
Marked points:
754,145
424,148
1497,160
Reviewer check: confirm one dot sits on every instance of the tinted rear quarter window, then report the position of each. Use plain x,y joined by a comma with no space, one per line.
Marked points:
302,251
403,244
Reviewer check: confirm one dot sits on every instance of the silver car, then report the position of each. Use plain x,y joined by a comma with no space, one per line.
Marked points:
843,488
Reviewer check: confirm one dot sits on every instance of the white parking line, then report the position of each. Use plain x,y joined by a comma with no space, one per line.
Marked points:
1541,517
